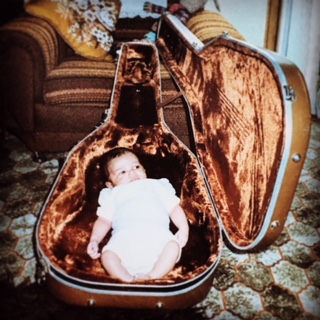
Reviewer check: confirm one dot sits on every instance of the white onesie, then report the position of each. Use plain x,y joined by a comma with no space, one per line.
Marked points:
139,212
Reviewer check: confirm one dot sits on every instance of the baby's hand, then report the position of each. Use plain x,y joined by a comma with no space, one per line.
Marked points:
93,250
182,237
147,6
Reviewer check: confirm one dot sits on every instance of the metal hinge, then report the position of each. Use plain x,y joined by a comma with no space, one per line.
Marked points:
290,93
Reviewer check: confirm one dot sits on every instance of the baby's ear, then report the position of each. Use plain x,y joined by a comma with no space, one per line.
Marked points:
109,185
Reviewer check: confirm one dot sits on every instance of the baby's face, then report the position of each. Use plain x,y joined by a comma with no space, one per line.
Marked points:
125,169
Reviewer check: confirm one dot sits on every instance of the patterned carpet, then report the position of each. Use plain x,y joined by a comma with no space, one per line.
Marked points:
282,282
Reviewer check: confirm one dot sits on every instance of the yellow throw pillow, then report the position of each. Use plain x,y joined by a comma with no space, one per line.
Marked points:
207,25
87,26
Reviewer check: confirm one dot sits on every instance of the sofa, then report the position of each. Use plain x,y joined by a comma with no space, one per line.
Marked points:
51,96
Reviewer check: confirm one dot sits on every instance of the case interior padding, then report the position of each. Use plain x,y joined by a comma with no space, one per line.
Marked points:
236,104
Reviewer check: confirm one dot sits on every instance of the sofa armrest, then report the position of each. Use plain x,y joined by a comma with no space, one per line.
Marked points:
29,49
33,34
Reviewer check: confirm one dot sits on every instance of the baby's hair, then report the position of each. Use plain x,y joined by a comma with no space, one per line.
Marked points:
110,155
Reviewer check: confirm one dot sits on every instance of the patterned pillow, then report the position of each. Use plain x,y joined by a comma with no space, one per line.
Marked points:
86,25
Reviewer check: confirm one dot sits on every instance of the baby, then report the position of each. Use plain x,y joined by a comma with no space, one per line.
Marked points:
138,210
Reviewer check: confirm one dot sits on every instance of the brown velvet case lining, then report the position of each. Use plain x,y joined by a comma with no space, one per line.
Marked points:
236,105
135,121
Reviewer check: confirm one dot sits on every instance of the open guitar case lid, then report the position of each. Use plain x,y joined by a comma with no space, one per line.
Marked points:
250,118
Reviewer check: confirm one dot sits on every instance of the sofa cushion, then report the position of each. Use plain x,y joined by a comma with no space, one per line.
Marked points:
207,25
80,82
86,27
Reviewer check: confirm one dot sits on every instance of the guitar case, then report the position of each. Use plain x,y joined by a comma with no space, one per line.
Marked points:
236,184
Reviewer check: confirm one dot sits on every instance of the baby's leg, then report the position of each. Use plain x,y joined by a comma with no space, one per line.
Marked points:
112,263
166,261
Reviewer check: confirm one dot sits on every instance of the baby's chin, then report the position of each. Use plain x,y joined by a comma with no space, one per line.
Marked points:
133,180
138,179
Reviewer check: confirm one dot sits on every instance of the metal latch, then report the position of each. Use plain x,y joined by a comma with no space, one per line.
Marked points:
290,93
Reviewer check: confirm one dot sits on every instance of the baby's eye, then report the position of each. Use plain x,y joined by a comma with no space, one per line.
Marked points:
122,172
137,166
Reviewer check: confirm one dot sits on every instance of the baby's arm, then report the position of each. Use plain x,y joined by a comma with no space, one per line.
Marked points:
179,218
100,228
